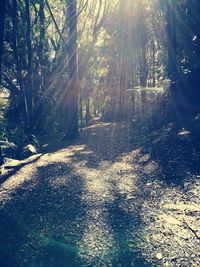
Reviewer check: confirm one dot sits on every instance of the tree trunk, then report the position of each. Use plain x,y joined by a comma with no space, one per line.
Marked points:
143,67
39,75
29,80
71,129
153,64
18,63
143,46
42,33
2,28
171,41
81,111
87,114
2,23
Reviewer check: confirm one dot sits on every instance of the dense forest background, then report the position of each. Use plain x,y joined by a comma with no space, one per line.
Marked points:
66,62
99,133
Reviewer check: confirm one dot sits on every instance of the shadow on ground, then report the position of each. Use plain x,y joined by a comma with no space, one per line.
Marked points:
40,227
65,217
176,148
85,204
13,169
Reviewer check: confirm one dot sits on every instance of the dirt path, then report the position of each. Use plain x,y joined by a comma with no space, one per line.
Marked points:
99,202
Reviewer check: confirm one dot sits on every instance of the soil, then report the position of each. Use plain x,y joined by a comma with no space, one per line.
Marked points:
107,199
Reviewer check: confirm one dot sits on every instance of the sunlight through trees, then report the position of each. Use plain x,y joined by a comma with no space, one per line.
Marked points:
99,132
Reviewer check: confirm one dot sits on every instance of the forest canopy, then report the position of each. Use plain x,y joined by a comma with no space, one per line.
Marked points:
65,62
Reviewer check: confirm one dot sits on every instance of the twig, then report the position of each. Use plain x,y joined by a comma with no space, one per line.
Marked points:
54,21
191,229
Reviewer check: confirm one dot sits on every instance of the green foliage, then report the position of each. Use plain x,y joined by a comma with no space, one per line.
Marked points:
121,44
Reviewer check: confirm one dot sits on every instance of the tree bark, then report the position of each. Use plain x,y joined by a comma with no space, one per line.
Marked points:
171,41
29,85
2,23
87,115
15,44
71,129
2,28
39,81
42,32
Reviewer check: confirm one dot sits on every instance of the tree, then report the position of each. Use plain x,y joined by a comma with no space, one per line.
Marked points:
29,78
2,23
71,126
171,39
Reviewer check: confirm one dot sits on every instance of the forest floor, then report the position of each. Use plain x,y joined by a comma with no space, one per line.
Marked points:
114,197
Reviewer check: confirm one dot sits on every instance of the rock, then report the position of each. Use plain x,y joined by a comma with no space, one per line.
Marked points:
29,150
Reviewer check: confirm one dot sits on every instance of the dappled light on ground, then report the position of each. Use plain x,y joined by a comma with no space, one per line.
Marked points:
172,229
99,203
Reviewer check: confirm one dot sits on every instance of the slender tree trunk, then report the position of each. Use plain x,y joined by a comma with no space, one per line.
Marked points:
87,115
143,67
42,33
71,130
171,41
143,47
17,62
122,85
2,23
39,75
29,85
153,63
1,157
2,28
81,111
